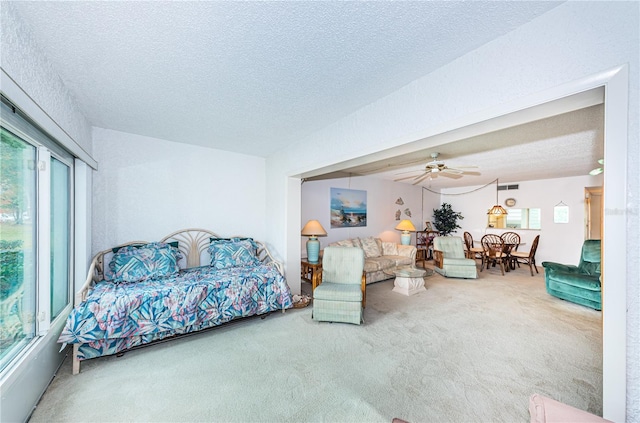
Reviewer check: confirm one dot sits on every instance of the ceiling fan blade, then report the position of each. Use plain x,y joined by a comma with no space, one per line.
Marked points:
423,177
452,175
405,177
471,173
410,171
452,171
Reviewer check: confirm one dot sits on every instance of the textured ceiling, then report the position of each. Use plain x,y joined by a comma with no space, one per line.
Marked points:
252,77
568,144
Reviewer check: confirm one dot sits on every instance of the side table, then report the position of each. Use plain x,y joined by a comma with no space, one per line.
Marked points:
311,272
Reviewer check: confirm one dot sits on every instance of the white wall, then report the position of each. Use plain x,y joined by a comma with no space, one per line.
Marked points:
572,42
381,208
558,242
147,188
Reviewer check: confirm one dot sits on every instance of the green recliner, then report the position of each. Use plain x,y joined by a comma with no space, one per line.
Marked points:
579,284
450,258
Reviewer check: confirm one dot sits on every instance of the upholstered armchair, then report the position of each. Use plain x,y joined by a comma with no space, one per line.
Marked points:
579,284
450,258
340,297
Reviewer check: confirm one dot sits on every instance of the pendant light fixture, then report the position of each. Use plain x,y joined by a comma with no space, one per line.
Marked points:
497,209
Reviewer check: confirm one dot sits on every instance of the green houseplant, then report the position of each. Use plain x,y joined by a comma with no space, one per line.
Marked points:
446,220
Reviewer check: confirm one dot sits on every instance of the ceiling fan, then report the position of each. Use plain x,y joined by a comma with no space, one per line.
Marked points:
598,170
435,168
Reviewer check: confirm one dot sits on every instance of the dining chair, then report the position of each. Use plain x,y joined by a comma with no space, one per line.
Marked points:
511,242
493,247
472,252
527,257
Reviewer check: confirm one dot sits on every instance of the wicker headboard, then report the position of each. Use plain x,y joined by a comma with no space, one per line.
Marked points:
192,243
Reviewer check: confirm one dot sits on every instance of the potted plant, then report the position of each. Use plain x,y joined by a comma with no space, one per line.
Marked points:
446,220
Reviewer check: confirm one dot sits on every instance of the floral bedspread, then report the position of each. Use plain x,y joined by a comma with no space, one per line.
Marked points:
116,317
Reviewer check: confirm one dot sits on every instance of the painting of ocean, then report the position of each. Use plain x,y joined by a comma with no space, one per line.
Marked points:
348,208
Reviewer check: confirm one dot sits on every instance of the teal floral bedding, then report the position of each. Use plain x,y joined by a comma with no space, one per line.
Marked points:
118,316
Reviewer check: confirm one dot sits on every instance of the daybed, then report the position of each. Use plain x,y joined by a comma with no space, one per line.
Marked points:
380,258
153,291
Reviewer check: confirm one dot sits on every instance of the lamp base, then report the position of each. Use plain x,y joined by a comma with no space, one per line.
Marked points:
405,239
313,250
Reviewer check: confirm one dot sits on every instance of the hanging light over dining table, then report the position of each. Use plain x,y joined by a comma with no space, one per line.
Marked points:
497,209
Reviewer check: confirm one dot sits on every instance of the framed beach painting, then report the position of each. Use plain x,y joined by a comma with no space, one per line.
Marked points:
348,208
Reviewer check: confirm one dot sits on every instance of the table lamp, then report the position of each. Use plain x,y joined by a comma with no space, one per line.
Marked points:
405,226
313,229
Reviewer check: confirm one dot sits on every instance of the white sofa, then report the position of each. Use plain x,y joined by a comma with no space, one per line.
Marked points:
381,258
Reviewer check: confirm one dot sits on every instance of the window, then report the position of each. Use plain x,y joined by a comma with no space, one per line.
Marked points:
17,245
36,220
516,219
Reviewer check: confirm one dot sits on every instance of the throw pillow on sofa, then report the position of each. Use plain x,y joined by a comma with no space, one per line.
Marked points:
370,247
389,249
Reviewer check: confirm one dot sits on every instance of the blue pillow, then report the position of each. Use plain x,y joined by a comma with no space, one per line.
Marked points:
233,252
135,263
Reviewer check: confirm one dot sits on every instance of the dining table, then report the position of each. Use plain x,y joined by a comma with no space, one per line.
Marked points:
507,248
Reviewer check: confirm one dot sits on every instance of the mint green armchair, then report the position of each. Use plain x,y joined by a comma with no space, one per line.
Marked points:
579,284
340,297
451,260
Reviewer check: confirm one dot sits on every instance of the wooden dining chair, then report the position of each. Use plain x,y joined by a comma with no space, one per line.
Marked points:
472,252
528,257
511,243
493,252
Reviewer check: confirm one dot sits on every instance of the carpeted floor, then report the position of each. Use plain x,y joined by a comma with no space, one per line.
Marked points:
463,351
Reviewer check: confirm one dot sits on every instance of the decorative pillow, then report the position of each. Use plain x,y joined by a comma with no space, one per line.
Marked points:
357,242
233,252
174,244
389,249
135,263
343,243
370,247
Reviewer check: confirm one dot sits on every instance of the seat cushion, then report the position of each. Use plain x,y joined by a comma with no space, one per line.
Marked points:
458,262
337,292
400,260
373,264
581,281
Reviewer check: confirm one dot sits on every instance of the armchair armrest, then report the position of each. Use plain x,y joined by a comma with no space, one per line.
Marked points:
559,267
438,258
364,289
407,251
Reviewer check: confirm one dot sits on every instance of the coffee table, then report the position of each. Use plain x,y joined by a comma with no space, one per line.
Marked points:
409,280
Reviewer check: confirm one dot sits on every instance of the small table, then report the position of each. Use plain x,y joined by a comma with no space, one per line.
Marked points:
311,272
409,280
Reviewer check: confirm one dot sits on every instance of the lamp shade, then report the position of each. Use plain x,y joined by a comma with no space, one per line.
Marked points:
406,225
313,228
497,210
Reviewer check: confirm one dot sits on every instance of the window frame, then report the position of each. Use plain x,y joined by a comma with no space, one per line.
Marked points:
16,122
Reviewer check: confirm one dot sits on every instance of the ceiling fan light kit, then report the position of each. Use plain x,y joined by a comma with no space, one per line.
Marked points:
437,167
598,170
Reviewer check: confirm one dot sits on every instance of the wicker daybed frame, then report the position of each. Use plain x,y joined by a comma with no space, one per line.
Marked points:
192,243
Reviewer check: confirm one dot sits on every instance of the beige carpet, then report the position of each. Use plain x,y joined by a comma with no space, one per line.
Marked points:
463,351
